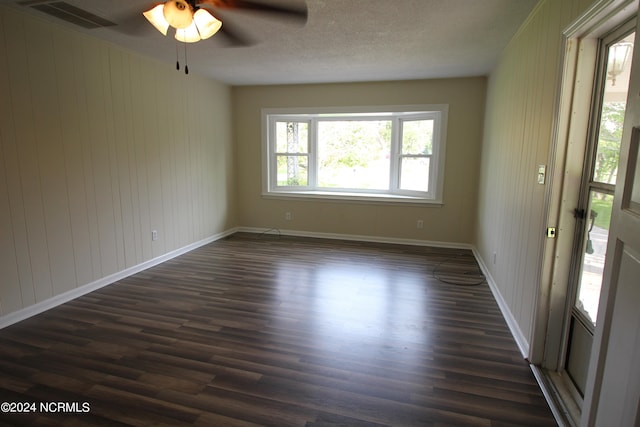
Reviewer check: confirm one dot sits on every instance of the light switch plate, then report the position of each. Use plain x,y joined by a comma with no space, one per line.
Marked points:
542,173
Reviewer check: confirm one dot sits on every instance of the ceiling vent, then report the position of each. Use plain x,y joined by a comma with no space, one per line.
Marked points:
67,12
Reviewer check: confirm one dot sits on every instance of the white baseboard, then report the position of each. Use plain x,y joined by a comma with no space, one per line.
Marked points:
355,237
57,300
516,332
40,307
518,336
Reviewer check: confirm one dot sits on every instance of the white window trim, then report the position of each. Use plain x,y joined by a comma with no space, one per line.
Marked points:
401,112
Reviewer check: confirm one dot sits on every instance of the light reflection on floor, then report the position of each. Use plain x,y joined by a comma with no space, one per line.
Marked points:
358,309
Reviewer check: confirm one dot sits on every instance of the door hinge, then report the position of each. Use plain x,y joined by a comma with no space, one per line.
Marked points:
579,213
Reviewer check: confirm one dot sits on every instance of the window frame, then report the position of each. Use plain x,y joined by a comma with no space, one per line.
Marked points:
398,114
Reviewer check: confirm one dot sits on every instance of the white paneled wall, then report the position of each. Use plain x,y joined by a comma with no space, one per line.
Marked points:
517,138
99,146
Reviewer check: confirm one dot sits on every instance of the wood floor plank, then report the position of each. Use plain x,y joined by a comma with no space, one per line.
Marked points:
259,330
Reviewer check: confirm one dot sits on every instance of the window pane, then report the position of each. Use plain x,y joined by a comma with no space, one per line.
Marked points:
613,109
354,154
597,228
417,137
414,173
606,165
292,137
293,171
327,153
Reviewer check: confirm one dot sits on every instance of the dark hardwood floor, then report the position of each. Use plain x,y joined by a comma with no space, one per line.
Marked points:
280,331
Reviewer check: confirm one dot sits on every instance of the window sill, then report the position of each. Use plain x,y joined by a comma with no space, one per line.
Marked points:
384,199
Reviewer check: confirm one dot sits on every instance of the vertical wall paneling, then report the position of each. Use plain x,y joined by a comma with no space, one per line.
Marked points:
517,137
112,127
87,141
10,295
166,164
122,116
51,162
180,160
154,173
28,159
188,135
99,146
193,110
136,170
89,240
141,134
68,106
221,159
97,88
549,56
11,212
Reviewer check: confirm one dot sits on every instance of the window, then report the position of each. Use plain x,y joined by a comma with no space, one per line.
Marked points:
386,154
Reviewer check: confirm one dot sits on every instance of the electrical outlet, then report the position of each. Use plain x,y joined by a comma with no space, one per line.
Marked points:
154,235
420,224
287,216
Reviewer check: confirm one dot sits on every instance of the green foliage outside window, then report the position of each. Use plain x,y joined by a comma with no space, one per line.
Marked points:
610,137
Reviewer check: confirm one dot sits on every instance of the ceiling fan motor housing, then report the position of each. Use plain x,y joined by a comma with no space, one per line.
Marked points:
178,13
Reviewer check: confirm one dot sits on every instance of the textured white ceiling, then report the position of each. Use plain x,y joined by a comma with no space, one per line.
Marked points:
342,41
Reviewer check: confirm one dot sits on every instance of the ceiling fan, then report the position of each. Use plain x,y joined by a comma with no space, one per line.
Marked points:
194,20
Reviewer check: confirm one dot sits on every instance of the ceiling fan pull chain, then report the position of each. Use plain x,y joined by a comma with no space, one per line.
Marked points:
177,60
186,64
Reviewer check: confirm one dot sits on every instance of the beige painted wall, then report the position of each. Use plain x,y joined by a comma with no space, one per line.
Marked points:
452,223
521,99
98,147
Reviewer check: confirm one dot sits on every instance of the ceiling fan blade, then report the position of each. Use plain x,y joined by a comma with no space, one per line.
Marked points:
235,37
134,25
298,13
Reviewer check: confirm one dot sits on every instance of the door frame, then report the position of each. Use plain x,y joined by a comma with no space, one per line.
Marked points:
569,140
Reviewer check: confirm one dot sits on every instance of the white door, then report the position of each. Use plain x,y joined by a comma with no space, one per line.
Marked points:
612,395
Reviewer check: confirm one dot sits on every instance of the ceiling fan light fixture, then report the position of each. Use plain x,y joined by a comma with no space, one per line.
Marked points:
207,24
156,17
178,13
189,34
